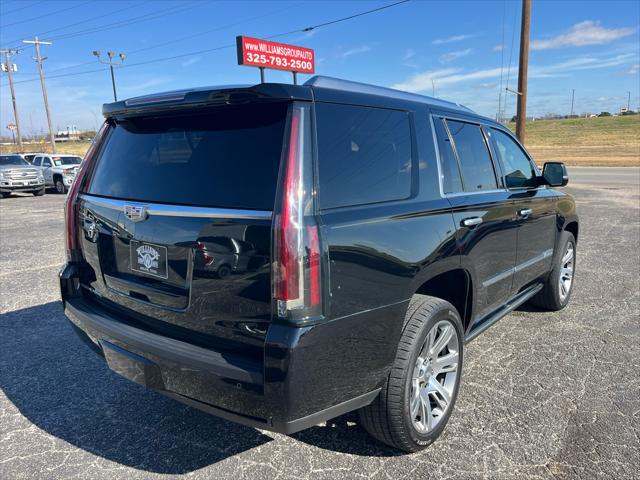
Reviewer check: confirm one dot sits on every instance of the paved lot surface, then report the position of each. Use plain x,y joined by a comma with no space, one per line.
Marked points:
544,395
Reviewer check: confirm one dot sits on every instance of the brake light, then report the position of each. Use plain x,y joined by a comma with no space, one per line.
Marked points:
70,206
207,259
296,251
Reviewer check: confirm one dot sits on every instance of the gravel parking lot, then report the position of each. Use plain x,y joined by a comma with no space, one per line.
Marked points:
543,395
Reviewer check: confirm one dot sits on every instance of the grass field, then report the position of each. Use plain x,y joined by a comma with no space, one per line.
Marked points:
70,148
602,141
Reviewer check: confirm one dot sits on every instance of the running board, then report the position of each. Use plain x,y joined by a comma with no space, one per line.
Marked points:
510,306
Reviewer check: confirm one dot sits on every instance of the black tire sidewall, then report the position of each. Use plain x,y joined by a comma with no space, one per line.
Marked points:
62,189
447,312
224,271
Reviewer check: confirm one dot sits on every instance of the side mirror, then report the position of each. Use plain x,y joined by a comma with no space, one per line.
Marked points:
555,174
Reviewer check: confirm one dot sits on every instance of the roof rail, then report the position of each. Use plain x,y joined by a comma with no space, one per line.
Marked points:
321,81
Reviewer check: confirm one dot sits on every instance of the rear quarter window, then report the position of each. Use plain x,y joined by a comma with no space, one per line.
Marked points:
225,158
364,155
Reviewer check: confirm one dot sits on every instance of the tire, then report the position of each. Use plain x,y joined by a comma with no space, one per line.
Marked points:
38,193
389,417
552,296
60,187
224,271
6,194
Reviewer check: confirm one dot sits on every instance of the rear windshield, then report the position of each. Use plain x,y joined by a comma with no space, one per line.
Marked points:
59,161
225,158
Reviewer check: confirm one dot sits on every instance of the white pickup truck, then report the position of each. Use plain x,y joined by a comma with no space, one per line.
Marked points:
58,170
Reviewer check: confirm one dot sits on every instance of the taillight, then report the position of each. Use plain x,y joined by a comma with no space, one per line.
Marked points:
207,259
297,286
70,216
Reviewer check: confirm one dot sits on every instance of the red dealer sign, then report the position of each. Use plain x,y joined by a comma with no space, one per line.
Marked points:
263,53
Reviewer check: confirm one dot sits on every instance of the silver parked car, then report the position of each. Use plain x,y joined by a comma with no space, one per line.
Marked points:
17,175
58,170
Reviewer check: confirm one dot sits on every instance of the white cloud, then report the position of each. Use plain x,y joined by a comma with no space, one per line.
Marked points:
498,48
421,82
633,69
408,54
487,86
451,56
190,61
583,33
454,38
356,51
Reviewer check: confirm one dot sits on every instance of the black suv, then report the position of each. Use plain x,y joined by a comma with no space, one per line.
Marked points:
381,231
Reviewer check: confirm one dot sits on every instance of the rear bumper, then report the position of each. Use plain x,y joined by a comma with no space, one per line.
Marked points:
232,388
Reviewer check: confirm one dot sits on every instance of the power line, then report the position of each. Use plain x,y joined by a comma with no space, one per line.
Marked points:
23,7
504,21
44,15
180,39
90,19
141,18
343,19
222,27
230,45
130,21
513,35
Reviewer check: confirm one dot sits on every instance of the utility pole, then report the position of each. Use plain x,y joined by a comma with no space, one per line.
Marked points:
111,55
39,61
628,99
573,91
522,70
9,67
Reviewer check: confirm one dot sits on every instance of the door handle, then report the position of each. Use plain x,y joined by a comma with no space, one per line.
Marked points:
471,222
524,212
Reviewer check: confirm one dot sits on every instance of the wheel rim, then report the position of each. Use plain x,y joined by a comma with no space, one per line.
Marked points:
566,272
434,377
59,186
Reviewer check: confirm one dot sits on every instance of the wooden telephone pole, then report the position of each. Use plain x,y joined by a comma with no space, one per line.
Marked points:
521,113
39,61
9,67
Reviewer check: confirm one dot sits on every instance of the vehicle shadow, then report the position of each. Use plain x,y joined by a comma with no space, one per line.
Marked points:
66,390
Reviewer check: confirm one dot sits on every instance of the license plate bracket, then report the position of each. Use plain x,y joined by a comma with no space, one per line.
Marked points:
148,259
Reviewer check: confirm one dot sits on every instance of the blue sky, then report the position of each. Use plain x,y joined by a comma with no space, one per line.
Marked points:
460,47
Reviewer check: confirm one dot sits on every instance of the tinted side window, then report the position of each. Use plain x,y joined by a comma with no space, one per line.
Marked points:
518,170
364,155
451,181
46,162
475,162
37,161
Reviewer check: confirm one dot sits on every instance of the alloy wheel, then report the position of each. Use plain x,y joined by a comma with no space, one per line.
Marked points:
434,377
566,272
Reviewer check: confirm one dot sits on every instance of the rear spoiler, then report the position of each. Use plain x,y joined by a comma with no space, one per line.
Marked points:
208,96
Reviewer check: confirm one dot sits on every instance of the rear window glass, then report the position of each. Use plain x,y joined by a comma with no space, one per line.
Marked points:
364,155
226,158
475,162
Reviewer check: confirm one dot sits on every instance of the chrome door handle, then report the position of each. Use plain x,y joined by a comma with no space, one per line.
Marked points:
471,222
525,212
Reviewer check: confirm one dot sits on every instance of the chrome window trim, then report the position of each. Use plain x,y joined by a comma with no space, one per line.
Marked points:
168,210
437,150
